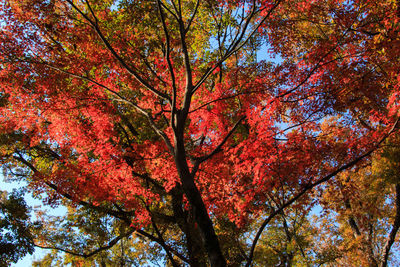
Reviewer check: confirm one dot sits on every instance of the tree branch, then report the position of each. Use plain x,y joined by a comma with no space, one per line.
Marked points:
313,185
236,45
192,17
160,237
120,99
113,213
200,160
120,214
170,67
117,56
110,244
395,227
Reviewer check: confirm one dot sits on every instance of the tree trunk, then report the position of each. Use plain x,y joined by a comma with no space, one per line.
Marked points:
210,240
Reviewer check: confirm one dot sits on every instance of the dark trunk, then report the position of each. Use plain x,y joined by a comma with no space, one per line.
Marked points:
210,240
196,253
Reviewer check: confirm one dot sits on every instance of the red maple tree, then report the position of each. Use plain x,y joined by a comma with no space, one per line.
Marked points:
150,109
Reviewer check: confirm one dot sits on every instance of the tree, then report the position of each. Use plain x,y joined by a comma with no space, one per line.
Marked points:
16,239
366,206
159,115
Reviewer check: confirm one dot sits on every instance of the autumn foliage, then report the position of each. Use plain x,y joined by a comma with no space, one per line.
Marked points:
205,120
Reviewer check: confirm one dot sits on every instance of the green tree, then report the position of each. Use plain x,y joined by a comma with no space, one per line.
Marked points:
16,238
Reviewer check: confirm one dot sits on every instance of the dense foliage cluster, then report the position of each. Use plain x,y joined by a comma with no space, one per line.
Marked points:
16,237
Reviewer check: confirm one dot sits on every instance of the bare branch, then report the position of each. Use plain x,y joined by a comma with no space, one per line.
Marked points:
177,9
188,70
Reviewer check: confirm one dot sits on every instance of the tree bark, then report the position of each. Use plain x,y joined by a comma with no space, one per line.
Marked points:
196,253
210,240
395,227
